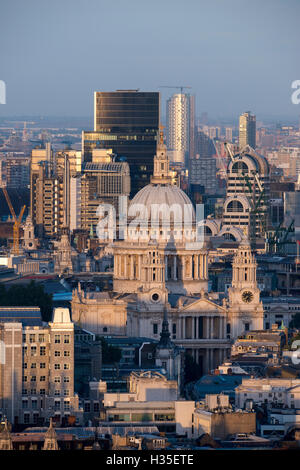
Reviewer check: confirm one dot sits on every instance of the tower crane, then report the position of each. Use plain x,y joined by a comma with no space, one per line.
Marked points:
17,223
220,159
229,151
181,88
276,240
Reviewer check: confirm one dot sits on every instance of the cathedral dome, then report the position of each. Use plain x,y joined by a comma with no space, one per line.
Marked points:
163,194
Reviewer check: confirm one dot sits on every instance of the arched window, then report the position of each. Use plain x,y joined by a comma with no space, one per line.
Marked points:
229,236
240,167
235,206
207,230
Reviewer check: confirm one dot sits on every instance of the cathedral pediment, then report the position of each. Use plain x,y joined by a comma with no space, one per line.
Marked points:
203,304
294,389
279,308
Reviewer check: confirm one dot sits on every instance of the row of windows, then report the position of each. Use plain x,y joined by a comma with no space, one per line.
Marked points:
41,338
270,395
33,378
87,407
57,353
58,379
43,377
33,391
57,339
57,366
33,404
26,419
33,351
267,307
57,393
32,338
34,366
66,393
57,405
142,417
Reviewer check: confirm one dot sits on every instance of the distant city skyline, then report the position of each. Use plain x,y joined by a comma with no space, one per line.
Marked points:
235,55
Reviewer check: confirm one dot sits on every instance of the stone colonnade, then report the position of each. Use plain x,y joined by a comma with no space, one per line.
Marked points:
177,266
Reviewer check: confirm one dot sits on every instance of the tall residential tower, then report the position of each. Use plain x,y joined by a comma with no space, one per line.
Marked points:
180,127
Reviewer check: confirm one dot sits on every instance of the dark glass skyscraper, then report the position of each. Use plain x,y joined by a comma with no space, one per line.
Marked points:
126,121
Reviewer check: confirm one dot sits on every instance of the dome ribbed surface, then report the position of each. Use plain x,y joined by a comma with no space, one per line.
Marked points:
162,194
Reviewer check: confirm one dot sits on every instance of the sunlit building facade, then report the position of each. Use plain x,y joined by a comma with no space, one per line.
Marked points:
127,122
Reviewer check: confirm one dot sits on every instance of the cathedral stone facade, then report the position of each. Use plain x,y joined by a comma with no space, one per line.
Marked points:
157,271
245,309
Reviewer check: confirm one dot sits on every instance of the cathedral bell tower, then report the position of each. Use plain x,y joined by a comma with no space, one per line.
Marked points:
245,307
244,269
63,256
153,290
153,267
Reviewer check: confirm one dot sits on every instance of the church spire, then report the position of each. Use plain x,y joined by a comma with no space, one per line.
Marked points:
50,442
165,341
161,166
5,438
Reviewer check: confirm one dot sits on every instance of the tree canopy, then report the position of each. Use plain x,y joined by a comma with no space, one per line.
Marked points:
30,295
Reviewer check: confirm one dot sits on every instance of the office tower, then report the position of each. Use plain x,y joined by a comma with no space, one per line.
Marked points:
180,127
37,378
204,145
292,210
42,191
75,206
248,187
202,168
102,182
41,165
229,134
127,122
67,192
247,130
50,188
17,171
203,172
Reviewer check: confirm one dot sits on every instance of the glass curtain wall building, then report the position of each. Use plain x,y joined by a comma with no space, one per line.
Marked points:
126,121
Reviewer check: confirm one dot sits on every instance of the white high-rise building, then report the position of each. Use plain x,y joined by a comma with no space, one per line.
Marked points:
247,130
180,127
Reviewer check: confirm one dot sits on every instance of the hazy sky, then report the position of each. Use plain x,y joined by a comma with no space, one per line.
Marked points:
237,55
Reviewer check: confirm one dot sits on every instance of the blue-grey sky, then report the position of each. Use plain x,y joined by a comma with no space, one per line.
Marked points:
237,55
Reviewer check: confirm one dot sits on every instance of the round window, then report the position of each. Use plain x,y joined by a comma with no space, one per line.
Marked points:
155,297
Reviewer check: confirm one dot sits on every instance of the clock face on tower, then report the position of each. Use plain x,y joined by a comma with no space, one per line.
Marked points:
247,296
